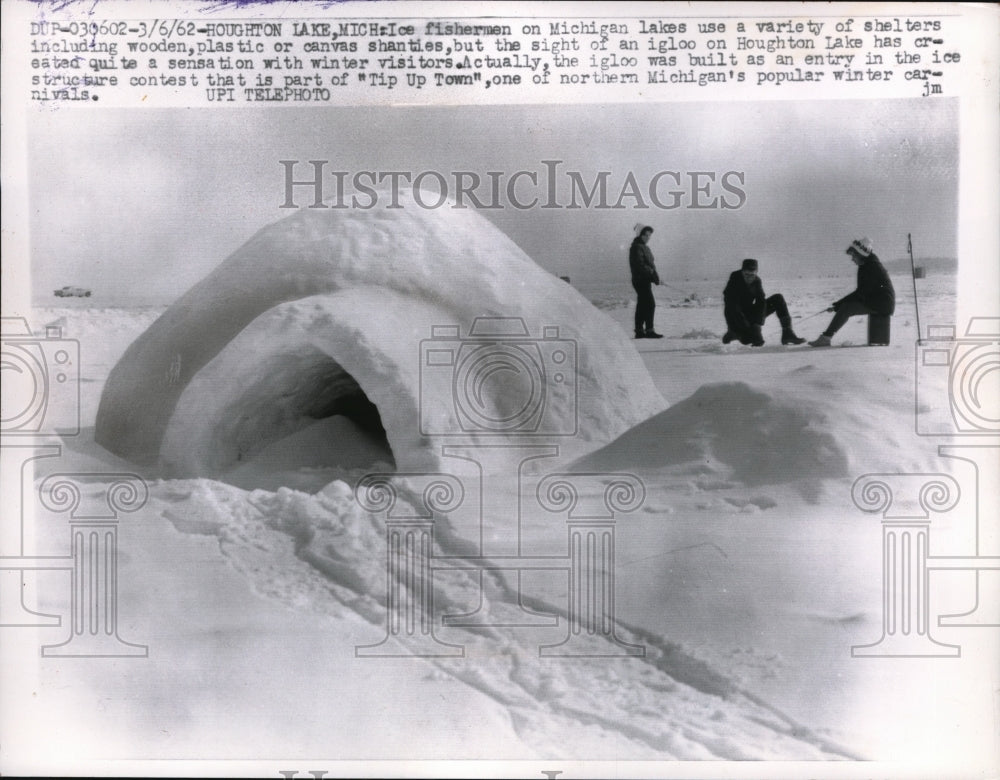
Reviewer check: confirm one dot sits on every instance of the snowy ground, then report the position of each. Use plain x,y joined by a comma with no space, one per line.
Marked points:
747,574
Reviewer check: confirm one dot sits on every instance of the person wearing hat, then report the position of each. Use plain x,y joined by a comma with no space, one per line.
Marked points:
746,308
644,276
873,295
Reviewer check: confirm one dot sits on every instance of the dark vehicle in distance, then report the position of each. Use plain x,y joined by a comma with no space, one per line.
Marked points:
71,292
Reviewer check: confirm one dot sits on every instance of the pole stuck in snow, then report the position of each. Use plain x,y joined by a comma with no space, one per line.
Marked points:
913,275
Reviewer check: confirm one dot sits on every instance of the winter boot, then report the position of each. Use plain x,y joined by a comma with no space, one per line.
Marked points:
788,337
756,337
822,341
652,334
728,337
639,334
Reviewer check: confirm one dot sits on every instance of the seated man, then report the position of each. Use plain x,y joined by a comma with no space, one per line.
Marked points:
746,308
873,295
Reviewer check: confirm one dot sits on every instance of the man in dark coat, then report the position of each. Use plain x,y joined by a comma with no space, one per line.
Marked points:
873,295
644,276
746,308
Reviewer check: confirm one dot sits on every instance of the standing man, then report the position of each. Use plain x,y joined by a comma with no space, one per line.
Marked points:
873,295
746,308
644,276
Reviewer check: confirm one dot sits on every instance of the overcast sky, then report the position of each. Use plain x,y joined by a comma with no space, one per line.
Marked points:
153,199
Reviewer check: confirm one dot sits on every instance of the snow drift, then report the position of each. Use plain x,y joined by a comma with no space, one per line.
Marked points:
323,554
756,437
415,324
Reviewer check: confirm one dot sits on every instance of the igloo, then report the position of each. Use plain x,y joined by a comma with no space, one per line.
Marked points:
425,326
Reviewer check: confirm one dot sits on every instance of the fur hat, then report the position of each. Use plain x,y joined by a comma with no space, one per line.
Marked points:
749,264
860,245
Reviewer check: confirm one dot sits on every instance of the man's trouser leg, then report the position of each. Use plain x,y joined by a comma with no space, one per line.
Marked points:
775,304
737,325
645,305
847,310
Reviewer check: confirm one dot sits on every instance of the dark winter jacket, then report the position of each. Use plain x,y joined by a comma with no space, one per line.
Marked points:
640,261
744,301
874,288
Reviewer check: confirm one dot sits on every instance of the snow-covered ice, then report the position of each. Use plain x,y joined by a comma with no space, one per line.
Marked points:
254,574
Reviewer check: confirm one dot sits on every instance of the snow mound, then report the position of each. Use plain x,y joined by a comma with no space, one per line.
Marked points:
417,324
752,436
